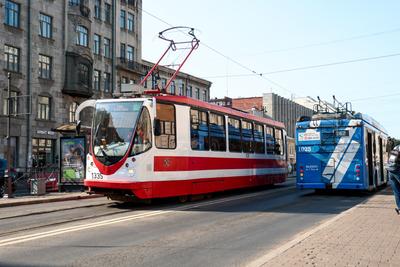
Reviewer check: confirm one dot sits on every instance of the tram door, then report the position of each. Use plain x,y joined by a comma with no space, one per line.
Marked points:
381,159
369,158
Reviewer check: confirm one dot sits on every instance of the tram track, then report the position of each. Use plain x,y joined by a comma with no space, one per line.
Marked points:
111,211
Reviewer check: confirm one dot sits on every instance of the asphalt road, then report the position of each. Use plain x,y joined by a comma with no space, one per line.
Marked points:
231,229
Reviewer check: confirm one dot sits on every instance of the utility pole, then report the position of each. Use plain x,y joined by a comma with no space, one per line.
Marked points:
8,175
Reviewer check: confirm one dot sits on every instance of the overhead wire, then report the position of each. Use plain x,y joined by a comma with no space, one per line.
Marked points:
254,73
363,36
307,67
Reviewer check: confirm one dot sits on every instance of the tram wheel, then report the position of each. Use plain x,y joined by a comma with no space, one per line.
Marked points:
183,199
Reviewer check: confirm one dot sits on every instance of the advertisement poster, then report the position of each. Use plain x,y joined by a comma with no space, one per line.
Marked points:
72,160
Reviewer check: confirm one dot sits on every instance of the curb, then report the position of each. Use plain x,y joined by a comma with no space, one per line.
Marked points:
47,200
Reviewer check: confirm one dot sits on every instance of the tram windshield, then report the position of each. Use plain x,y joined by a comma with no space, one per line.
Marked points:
113,127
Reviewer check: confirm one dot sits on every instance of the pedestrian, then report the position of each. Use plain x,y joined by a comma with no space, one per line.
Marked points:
393,167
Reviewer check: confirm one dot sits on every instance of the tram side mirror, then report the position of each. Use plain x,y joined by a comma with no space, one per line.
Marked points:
78,127
157,127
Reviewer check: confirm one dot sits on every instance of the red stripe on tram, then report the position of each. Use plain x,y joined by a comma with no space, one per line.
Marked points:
172,163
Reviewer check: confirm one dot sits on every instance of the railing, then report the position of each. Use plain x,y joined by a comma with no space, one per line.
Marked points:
130,65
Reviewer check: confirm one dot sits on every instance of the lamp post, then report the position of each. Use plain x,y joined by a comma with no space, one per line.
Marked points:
8,174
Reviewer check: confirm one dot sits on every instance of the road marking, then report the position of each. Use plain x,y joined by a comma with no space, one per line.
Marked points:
30,237
263,260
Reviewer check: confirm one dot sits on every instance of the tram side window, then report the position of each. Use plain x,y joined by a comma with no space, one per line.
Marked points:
247,137
217,132
235,144
199,130
142,140
259,139
279,142
270,140
166,117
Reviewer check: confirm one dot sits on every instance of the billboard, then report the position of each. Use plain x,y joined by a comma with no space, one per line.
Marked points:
72,159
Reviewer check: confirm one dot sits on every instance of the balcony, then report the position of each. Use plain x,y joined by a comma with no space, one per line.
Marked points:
80,8
130,65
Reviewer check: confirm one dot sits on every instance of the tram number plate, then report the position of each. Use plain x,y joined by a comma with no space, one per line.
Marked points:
96,175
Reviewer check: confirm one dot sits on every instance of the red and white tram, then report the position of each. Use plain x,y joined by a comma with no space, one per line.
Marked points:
164,146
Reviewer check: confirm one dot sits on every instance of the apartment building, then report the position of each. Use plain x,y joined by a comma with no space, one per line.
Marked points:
60,53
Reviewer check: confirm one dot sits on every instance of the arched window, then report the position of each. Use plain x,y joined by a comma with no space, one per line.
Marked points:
72,109
82,35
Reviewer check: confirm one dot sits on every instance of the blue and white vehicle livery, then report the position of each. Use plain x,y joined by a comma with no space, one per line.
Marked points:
339,150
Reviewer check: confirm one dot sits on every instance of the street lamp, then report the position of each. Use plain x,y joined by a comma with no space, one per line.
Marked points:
8,173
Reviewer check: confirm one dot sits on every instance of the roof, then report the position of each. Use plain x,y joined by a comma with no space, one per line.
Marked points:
201,104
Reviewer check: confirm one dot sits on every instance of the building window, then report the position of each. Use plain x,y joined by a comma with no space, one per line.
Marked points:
96,44
131,22
189,91
42,152
45,29
166,120
122,20
96,80
107,13
74,2
124,80
97,9
172,88
43,110
72,110
197,93
13,103
11,57
204,95
122,51
83,74
82,36
107,82
181,86
12,14
44,67
129,53
107,47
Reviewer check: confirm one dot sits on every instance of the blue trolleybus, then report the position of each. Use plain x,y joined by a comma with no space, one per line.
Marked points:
338,149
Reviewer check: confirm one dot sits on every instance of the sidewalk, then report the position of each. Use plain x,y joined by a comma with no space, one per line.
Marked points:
50,197
366,235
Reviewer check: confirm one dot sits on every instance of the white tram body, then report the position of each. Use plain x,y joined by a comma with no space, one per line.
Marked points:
166,146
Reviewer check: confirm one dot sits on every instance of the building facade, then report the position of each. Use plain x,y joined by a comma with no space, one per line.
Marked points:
60,53
269,105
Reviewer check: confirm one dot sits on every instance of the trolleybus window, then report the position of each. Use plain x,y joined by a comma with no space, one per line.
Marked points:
166,117
199,130
259,139
217,132
234,135
142,140
270,140
247,137
279,142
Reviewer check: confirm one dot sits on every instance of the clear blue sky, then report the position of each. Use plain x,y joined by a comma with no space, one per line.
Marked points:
273,35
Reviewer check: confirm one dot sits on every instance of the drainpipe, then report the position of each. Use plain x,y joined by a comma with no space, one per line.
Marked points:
29,92
113,44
